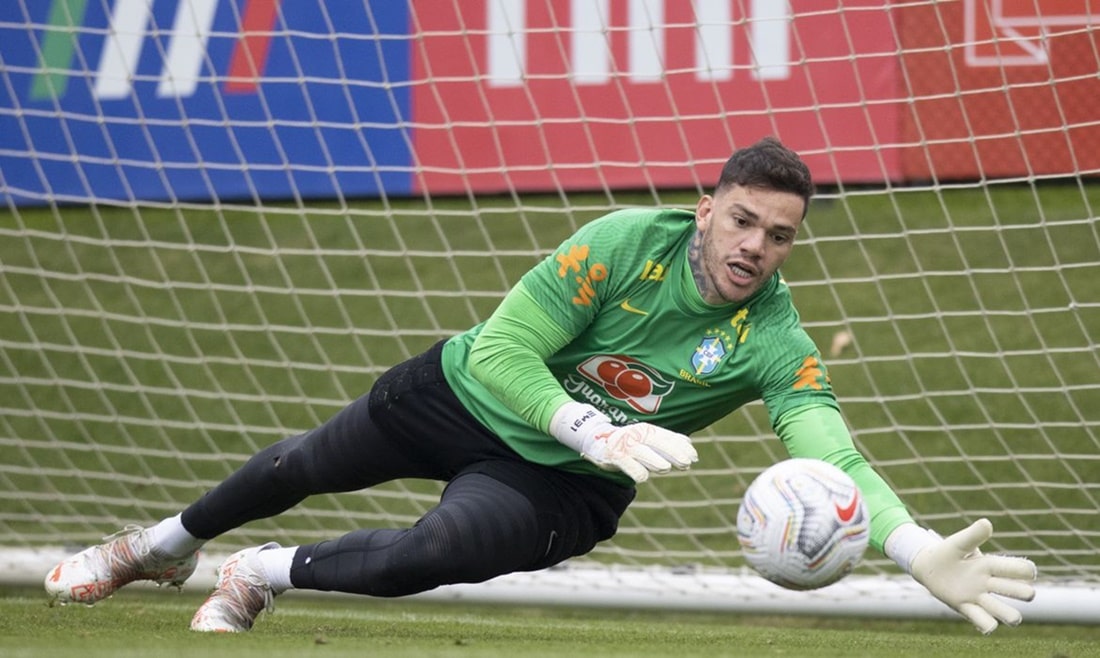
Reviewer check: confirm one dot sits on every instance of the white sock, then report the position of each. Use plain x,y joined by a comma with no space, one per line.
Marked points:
170,538
276,565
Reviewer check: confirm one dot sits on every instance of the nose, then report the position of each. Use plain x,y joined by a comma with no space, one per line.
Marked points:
753,243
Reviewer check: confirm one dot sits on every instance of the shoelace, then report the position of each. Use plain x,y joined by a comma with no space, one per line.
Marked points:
118,554
243,597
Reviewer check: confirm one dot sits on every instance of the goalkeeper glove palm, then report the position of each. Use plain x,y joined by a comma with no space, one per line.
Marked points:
956,572
637,449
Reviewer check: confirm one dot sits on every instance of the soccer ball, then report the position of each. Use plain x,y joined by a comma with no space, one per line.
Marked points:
803,524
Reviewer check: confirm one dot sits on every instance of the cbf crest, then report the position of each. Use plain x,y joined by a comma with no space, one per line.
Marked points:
709,352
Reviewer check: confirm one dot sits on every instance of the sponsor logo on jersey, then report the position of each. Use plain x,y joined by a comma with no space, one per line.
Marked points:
741,325
653,272
623,378
572,263
581,389
810,375
626,306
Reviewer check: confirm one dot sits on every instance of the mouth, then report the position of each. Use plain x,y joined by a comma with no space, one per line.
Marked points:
742,272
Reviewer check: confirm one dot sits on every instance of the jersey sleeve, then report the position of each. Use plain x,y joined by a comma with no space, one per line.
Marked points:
551,305
788,364
509,356
819,432
589,268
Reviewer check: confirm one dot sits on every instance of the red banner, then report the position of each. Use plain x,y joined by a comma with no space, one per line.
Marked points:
541,95
620,100
1004,88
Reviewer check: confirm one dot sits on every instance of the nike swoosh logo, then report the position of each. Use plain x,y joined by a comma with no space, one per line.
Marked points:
550,544
630,309
845,514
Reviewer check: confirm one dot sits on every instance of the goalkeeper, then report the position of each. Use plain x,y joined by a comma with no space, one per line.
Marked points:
643,327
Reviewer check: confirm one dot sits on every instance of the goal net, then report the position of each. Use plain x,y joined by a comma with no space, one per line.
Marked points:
224,219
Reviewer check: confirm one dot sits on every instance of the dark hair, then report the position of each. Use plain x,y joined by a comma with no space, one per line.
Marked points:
770,165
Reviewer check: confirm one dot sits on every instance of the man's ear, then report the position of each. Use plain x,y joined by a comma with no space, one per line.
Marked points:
703,210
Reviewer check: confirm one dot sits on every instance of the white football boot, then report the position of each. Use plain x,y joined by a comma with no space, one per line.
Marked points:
240,595
97,572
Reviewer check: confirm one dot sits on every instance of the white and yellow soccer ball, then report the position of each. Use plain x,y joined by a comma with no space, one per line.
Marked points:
803,524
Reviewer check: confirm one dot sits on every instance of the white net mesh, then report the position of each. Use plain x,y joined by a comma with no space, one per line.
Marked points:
224,220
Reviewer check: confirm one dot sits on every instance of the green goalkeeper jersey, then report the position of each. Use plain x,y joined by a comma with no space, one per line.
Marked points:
631,335
645,345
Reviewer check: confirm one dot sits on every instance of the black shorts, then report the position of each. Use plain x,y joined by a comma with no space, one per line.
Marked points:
415,408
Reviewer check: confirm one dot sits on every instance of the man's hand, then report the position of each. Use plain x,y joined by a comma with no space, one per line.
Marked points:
637,449
956,572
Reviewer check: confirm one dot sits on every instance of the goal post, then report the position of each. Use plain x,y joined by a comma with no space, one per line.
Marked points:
223,219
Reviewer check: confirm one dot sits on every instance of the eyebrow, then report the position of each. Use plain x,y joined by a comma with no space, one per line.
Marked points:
782,228
746,211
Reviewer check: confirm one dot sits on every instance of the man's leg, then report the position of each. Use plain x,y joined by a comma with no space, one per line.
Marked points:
410,425
492,519
480,529
347,453
350,451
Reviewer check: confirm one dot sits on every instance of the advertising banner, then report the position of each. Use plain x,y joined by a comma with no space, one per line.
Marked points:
203,99
594,95
218,100
1001,89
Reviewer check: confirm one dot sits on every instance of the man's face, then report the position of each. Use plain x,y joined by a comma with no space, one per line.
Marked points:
747,234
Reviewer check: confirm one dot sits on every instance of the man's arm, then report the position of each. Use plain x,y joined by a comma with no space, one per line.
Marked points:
818,431
509,359
954,569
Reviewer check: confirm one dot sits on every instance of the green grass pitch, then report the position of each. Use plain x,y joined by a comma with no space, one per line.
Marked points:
154,623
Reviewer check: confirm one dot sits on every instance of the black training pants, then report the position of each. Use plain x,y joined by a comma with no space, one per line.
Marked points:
498,512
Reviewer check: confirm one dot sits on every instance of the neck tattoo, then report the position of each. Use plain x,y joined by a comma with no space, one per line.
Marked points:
698,271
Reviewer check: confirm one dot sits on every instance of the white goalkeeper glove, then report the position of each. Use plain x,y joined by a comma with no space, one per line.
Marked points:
956,572
637,449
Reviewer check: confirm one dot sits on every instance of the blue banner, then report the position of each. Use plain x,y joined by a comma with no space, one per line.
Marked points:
197,100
